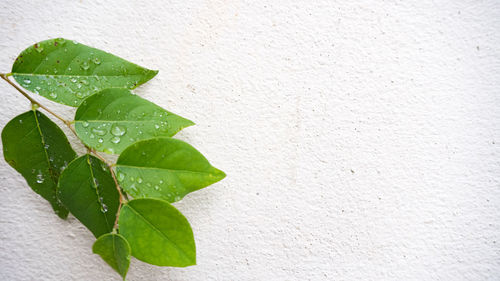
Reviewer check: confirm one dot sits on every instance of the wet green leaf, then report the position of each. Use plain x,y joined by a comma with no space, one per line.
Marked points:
115,251
67,72
88,190
113,119
38,149
164,168
158,233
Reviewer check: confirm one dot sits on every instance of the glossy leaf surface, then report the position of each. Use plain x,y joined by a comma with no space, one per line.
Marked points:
87,189
164,168
158,233
67,72
38,149
113,119
115,251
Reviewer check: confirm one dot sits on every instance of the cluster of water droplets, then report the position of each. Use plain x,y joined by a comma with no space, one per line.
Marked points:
153,187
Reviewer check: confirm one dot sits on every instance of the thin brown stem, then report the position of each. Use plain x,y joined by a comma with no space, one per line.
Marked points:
122,197
33,101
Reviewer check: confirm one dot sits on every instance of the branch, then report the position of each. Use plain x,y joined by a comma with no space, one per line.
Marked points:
6,78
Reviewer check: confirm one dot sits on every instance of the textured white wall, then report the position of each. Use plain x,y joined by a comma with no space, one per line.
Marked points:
361,140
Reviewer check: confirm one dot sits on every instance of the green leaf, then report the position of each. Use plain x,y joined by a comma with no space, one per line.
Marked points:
158,233
113,119
88,190
66,72
115,251
38,149
164,168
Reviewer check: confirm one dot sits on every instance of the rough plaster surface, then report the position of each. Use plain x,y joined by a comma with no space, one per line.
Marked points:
361,139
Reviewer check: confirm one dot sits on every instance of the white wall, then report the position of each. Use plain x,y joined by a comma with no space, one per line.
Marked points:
361,138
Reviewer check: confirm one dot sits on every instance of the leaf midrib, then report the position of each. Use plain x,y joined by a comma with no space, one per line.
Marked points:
70,75
50,168
163,169
89,162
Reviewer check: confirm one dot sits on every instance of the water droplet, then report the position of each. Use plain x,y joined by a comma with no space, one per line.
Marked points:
73,79
98,131
104,208
121,176
85,65
118,130
39,177
85,124
157,126
39,49
79,95
161,181
53,95
132,179
97,61
100,140
139,180
21,121
157,187
46,146
177,198
115,140
27,81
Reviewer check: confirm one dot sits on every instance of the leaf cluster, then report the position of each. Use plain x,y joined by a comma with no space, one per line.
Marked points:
127,204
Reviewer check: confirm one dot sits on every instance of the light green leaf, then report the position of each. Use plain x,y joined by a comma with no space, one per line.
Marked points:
164,168
113,119
88,190
38,149
158,233
115,251
67,72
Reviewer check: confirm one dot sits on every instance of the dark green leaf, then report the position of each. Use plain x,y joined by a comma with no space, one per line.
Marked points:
113,119
115,251
67,72
164,168
38,149
158,233
88,190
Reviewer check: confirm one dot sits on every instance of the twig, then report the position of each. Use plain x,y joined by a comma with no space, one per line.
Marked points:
5,77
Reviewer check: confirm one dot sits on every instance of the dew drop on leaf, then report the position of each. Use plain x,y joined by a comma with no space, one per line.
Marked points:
115,140
39,177
121,176
118,130
98,131
85,124
53,95
85,65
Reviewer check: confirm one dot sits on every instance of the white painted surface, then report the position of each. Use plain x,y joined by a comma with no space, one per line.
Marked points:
361,140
